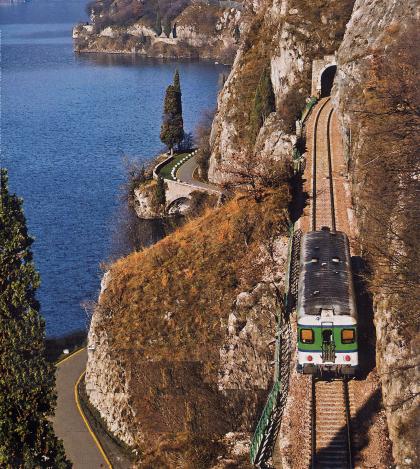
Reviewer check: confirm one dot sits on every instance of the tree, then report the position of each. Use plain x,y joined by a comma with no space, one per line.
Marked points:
202,137
172,130
158,24
177,82
167,28
27,397
160,192
256,175
264,102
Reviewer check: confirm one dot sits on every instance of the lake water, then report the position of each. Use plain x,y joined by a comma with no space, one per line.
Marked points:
66,122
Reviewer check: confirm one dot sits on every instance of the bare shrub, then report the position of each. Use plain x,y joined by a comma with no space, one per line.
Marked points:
200,201
202,139
255,175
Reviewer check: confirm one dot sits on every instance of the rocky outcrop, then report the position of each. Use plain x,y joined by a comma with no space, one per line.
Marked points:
106,380
202,30
284,35
375,96
169,357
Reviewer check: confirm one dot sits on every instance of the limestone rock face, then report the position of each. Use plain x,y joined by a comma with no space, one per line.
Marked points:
283,39
247,353
106,382
143,205
375,27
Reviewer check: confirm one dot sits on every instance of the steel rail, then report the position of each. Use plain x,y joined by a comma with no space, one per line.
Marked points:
346,431
330,173
314,150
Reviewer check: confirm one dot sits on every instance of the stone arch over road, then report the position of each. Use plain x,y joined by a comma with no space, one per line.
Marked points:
178,192
323,72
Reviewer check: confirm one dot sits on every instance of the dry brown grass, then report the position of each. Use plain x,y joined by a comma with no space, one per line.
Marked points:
166,311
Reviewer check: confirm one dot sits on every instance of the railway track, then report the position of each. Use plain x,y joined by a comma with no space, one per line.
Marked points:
323,209
331,443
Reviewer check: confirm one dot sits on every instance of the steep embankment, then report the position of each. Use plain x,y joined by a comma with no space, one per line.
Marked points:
181,29
285,37
378,101
182,335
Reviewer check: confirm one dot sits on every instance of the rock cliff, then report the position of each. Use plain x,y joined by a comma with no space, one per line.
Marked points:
284,35
181,341
375,94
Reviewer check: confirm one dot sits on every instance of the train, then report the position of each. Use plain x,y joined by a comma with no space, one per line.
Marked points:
326,306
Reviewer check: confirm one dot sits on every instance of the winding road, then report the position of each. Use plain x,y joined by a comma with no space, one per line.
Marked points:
69,424
186,172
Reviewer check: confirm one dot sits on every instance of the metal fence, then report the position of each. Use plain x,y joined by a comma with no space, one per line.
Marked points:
263,440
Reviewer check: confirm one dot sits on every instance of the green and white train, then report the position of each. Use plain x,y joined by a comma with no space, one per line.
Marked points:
326,308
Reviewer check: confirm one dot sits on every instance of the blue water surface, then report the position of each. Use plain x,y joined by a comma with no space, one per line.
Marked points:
66,122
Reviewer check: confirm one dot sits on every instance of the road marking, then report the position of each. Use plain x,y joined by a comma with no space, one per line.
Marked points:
70,356
79,408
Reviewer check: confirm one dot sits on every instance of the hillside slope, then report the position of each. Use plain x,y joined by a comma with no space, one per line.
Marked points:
377,97
180,356
285,36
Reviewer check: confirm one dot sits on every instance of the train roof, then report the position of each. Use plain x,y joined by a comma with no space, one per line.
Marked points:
325,280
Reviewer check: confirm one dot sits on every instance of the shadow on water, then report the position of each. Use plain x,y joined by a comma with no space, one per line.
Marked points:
366,327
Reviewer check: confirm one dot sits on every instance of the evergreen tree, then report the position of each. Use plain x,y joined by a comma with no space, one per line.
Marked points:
160,192
167,28
172,130
264,102
27,396
177,83
158,24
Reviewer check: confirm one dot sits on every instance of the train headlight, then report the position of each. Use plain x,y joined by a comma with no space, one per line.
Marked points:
307,336
348,336
347,358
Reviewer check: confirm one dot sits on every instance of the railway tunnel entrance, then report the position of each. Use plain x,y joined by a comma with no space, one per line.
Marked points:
327,80
323,73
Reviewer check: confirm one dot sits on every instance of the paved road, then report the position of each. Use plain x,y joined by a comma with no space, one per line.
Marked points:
185,174
68,423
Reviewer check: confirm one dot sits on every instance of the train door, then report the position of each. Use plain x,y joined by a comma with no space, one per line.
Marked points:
328,344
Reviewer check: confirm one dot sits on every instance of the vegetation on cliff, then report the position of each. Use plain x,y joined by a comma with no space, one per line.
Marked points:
167,309
380,103
27,381
172,130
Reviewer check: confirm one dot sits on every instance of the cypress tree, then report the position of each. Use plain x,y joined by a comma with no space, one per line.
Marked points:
167,28
27,396
172,130
160,192
264,102
177,84
158,24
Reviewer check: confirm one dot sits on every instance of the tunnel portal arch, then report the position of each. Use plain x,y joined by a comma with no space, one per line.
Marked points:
327,80
320,72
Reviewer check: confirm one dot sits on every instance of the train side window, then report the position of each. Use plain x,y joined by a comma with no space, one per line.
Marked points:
307,336
348,336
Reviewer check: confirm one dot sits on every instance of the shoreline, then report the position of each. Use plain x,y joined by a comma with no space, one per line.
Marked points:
197,58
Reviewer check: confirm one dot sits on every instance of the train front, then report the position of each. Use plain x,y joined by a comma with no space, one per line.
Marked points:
326,312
